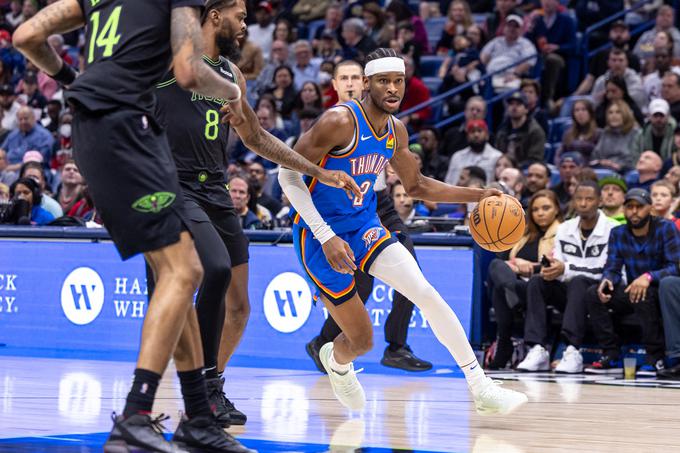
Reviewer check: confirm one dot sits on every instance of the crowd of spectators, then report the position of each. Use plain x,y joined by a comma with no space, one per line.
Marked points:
583,156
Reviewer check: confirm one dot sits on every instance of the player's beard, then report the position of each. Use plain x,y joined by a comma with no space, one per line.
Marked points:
379,104
228,47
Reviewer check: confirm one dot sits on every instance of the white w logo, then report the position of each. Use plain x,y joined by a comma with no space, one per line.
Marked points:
82,296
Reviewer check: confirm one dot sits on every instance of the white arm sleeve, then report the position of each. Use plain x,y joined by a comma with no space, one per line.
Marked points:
300,198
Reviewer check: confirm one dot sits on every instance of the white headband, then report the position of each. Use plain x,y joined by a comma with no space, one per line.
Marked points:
387,64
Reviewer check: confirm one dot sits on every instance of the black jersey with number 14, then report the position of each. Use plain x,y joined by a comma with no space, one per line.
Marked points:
127,51
198,139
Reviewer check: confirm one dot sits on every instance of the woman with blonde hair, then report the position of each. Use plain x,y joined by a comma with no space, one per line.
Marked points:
613,150
508,276
458,19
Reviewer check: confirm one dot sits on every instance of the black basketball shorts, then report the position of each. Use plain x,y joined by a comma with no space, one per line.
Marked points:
128,167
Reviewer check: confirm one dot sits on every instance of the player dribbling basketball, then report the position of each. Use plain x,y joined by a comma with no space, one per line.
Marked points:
333,235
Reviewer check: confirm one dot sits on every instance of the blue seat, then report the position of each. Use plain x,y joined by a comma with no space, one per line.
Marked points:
434,27
480,19
432,84
549,152
557,128
429,65
565,111
604,172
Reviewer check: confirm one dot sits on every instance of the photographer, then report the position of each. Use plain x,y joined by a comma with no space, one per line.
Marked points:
24,206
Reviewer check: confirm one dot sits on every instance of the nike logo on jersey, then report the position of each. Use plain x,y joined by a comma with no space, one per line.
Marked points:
364,138
227,73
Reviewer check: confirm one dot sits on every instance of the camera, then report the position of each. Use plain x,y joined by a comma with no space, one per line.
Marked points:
15,212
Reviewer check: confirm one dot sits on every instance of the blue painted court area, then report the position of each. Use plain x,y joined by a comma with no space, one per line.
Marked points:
85,443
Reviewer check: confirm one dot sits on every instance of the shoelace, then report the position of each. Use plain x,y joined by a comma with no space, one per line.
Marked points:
157,423
348,384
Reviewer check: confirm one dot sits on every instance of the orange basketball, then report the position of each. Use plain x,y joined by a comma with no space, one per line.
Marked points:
497,223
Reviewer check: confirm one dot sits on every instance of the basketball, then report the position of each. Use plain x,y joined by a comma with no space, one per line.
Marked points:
497,223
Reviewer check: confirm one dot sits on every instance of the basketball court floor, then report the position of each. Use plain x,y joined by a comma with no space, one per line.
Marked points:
64,405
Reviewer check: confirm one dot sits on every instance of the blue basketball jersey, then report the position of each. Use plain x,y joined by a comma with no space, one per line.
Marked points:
364,159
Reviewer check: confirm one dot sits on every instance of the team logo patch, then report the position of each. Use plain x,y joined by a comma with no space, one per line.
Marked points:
154,202
370,236
390,142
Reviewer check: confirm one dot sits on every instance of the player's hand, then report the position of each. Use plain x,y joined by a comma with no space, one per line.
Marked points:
232,113
341,180
637,291
485,193
339,255
604,298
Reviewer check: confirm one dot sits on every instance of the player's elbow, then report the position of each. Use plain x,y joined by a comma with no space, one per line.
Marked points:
25,38
186,76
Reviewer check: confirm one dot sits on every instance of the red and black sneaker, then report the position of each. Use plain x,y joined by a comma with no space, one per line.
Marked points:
606,365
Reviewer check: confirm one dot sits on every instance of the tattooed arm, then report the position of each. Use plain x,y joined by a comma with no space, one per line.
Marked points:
244,121
31,37
190,70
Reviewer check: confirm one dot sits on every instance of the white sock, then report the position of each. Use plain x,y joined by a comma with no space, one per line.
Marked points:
475,377
339,368
390,266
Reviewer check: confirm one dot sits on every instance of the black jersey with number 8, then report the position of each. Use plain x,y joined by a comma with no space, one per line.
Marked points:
127,51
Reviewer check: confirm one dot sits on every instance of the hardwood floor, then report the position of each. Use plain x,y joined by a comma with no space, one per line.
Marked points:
44,398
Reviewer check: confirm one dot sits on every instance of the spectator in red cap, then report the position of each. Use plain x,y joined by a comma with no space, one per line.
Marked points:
13,61
262,32
479,153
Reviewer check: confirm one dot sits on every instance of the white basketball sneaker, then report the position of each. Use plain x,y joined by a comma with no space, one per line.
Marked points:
538,359
572,361
346,387
495,399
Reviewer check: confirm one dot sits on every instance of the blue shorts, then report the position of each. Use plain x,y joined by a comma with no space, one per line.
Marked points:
366,243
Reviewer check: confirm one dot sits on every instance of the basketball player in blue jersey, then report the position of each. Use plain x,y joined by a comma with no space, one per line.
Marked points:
348,83
334,235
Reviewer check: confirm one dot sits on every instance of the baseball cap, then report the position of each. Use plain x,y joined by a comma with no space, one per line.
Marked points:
266,6
620,24
615,180
659,106
32,156
639,195
6,89
572,156
517,96
476,124
515,18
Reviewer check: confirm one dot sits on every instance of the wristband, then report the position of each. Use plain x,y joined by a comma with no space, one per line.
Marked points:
324,233
648,276
66,74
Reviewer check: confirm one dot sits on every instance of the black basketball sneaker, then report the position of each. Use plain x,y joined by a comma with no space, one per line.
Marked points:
225,411
139,433
203,434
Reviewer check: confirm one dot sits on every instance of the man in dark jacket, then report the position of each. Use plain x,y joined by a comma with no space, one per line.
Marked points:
520,136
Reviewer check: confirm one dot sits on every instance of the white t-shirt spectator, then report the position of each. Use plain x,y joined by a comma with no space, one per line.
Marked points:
262,37
466,158
502,53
